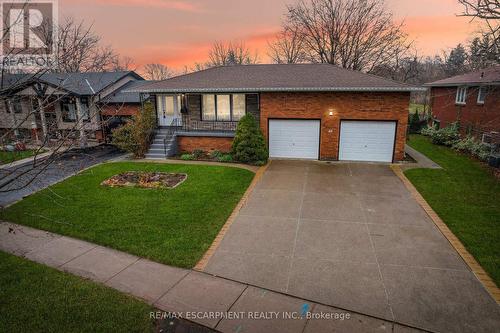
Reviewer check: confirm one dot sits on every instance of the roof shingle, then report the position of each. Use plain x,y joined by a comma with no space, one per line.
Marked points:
485,76
274,77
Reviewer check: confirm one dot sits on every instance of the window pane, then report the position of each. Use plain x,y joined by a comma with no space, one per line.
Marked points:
481,95
223,107
169,105
208,103
238,106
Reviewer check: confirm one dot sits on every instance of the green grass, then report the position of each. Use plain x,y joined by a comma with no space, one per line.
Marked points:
415,106
174,226
11,156
466,196
36,298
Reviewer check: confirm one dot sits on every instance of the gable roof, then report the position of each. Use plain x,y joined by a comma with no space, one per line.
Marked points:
274,77
124,95
489,75
88,83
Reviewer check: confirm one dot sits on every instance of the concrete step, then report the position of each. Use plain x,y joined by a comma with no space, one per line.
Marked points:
155,156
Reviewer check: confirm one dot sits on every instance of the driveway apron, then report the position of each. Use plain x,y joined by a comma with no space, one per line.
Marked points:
351,236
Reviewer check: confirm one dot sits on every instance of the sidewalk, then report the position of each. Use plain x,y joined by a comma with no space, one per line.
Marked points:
180,290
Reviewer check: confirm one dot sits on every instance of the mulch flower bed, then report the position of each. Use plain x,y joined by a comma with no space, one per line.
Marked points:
146,179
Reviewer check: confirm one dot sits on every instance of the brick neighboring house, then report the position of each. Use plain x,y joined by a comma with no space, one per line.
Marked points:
310,111
472,100
66,99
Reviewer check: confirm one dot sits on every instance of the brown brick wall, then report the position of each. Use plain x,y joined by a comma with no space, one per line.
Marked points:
205,143
344,105
477,118
120,109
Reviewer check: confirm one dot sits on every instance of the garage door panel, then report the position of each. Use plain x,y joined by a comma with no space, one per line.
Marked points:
367,141
294,138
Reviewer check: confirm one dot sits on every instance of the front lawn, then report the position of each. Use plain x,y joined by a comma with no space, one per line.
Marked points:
171,226
466,197
36,298
11,156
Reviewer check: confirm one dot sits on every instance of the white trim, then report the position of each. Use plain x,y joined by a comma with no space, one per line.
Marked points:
461,96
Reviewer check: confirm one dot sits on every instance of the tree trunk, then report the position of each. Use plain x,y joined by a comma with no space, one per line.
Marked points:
14,121
42,118
79,112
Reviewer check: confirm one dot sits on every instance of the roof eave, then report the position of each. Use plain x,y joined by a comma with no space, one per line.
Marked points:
304,89
461,84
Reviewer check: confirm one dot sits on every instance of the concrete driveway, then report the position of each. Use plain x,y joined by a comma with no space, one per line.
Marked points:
352,236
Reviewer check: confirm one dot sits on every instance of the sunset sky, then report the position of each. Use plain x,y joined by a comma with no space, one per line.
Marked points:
180,32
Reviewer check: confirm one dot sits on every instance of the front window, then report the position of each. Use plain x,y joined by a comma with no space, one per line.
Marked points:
461,95
223,107
481,95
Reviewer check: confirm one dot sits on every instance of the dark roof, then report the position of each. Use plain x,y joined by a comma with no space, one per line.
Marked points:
485,76
88,83
275,77
124,95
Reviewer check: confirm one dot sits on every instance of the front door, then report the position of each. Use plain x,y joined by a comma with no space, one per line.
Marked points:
169,109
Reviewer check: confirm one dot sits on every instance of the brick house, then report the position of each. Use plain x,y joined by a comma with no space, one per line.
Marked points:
306,111
472,100
54,104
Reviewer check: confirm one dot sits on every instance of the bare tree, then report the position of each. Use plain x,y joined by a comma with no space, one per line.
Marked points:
157,72
489,12
123,64
79,49
287,47
353,34
232,53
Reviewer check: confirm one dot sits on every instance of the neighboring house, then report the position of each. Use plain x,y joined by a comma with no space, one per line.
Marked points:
310,111
472,100
69,102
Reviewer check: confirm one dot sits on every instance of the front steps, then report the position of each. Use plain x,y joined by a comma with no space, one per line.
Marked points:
164,145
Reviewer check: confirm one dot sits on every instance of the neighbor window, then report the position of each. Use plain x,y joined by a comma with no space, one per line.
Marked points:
481,94
223,107
68,109
461,95
16,105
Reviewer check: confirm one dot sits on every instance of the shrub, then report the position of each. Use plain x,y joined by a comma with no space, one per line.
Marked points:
249,145
216,154
198,153
136,135
427,131
225,158
473,147
446,136
187,157
415,124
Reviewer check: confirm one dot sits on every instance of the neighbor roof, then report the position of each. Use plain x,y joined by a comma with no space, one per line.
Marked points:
485,76
88,83
275,77
124,95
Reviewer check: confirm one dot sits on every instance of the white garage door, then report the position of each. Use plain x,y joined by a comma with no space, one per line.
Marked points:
294,138
367,140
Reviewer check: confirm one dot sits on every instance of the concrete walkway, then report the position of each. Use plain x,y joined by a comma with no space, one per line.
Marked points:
351,235
422,161
199,296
